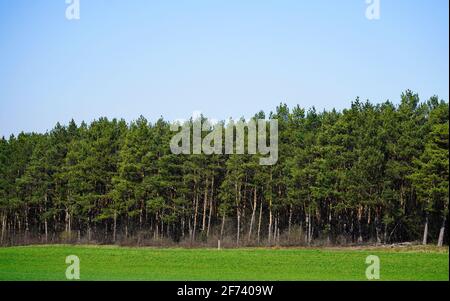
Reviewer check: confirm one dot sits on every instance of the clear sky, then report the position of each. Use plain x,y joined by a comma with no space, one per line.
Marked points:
226,58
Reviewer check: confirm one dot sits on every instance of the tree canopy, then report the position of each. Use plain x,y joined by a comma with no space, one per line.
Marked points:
369,173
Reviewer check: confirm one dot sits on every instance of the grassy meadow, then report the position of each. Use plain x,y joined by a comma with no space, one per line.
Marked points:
120,263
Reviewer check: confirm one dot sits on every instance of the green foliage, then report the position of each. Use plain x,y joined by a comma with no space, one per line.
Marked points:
369,172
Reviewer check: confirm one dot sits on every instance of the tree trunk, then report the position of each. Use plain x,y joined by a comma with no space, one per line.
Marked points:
269,239
67,219
182,225
270,223
89,231
195,215
360,238
275,231
4,221
329,225
205,205
210,207
106,230
115,226
252,220
309,227
156,231
238,231
238,211
222,227
259,222
46,230
70,226
140,217
27,226
306,226
190,230
425,232
126,226
442,232
278,235
377,226
290,222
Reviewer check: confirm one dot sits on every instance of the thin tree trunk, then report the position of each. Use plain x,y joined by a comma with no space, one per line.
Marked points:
275,231
329,224
115,226
290,222
67,220
106,230
300,225
238,212
89,230
17,226
270,223
252,220
259,222
46,230
442,232
4,222
168,230
27,226
278,235
222,227
309,227
45,220
190,230
140,217
205,205
360,239
195,215
156,231
70,226
183,224
425,232
126,226
210,207
270,210
306,226
238,225
377,225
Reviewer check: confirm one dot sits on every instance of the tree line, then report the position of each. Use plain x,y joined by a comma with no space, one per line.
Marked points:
372,173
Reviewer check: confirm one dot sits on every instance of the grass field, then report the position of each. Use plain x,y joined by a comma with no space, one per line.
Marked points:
117,263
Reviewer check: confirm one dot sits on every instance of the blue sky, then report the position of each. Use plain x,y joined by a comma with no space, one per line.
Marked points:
226,58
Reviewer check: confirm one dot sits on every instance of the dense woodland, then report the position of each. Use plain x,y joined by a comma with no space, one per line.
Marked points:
367,174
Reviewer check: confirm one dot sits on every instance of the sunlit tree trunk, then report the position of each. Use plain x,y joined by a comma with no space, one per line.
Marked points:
442,232
4,222
425,231
210,207
252,219
222,227
259,222
46,230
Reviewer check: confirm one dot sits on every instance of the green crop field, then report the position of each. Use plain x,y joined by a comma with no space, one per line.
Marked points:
118,263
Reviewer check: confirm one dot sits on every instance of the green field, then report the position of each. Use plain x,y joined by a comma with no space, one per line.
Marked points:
117,263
